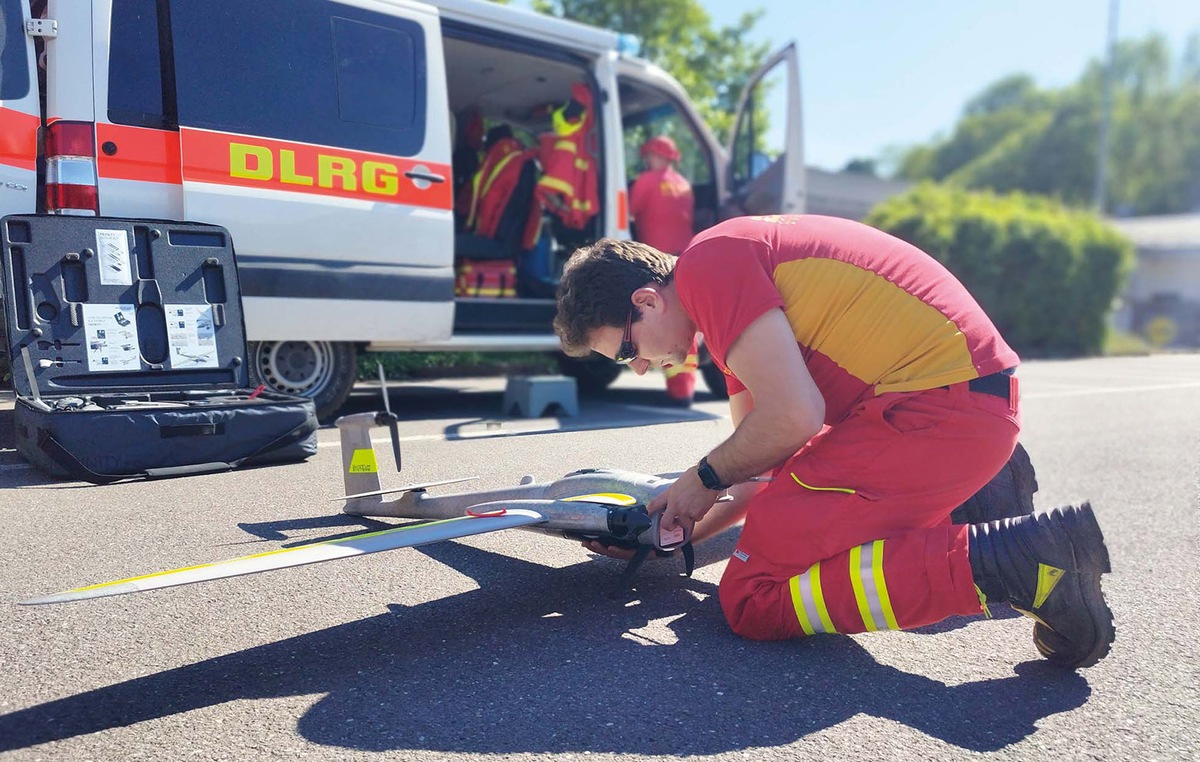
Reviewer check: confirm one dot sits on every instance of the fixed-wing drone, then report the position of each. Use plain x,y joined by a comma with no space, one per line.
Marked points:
591,504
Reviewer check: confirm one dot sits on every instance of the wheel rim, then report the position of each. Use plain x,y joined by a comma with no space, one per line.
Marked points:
295,367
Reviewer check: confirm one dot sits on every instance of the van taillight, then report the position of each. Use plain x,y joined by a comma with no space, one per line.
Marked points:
71,169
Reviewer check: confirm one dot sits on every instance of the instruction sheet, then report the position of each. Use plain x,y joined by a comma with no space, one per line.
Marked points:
112,251
191,335
112,338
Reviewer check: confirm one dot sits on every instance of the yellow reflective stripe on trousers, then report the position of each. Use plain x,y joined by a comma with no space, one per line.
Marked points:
870,587
809,602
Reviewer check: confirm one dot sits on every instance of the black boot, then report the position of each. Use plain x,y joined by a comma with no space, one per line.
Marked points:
1048,567
1009,493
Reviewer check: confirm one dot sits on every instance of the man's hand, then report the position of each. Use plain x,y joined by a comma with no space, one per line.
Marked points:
685,502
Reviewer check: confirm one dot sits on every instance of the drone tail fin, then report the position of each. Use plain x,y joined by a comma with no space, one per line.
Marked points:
360,468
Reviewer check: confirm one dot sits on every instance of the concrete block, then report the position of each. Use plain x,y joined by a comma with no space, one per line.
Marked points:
531,396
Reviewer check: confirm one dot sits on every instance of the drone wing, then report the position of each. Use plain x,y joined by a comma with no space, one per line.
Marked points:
356,545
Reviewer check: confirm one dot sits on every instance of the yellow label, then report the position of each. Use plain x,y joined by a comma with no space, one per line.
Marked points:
1048,579
605,498
363,462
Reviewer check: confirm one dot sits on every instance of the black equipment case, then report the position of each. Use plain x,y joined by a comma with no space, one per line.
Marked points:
128,352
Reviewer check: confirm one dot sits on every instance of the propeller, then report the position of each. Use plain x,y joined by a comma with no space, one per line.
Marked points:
389,418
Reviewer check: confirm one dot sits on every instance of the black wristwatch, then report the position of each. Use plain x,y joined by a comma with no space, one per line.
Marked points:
708,477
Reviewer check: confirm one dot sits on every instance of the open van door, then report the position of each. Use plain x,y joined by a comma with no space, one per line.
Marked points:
766,149
20,113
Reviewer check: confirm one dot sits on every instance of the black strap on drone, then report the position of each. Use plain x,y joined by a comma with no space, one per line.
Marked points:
625,583
689,557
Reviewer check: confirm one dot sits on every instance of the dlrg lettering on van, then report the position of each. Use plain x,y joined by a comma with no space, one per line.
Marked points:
386,168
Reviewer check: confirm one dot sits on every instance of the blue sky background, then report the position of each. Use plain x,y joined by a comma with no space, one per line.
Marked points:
880,73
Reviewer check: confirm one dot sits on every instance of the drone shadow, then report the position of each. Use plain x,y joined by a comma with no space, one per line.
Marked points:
538,660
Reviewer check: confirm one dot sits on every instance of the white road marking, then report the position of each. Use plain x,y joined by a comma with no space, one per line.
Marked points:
1111,390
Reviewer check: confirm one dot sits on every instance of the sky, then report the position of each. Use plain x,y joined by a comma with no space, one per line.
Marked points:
881,73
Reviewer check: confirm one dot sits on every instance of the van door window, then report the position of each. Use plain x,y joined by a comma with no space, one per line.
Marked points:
14,68
766,169
372,62
303,70
694,162
135,82
760,138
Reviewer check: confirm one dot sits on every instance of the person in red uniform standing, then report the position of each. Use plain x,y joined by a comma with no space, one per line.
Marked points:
873,390
660,200
662,207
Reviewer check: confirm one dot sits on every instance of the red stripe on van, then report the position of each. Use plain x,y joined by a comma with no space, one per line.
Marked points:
140,153
18,139
254,162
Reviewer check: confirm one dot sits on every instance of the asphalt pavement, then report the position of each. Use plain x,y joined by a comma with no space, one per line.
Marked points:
504,646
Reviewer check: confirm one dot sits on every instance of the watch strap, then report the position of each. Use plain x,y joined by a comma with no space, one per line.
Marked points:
708,477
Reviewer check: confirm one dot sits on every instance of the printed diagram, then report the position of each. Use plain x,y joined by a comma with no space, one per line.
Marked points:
112,251
191,335
112,339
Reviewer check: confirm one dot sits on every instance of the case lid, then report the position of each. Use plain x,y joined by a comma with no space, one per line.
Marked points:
101,305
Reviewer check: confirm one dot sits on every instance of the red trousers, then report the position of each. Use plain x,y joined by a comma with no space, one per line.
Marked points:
854,533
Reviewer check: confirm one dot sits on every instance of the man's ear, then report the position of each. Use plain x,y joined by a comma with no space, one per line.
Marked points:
647,297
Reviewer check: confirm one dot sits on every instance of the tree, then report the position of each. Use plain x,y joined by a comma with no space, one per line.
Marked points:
861,166
1012,136
712,64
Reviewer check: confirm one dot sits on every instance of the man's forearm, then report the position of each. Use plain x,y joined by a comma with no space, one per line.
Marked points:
757,445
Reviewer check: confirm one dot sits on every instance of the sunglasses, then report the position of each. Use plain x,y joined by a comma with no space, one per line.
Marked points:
627,353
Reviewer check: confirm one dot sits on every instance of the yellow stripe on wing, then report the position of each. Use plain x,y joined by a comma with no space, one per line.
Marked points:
276,552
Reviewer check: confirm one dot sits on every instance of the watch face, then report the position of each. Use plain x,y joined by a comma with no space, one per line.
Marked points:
708,477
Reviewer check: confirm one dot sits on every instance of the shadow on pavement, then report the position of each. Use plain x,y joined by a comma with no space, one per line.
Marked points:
537,660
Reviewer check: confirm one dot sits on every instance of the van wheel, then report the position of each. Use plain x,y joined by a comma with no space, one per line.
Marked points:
714,379
592,375
323,371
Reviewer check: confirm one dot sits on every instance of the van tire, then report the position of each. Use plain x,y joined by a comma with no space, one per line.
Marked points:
714,379
323,371
592,375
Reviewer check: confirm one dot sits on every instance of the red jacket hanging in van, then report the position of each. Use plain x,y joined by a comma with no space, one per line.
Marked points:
569,187
493,188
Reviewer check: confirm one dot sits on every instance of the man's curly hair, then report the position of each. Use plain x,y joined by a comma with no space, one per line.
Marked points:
597,283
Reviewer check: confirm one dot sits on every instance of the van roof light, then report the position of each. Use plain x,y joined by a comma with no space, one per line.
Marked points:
629,44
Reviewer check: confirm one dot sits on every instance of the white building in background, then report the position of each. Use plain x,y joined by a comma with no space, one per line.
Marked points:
848,194
1162,299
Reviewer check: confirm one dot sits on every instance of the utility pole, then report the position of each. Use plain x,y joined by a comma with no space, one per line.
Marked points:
1100,194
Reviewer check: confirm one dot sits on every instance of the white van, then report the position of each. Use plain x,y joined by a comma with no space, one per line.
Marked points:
320,133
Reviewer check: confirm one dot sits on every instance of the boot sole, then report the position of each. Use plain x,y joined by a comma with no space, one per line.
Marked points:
1091,561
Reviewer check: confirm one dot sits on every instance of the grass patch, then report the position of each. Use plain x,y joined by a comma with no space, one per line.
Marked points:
1124,344
403,365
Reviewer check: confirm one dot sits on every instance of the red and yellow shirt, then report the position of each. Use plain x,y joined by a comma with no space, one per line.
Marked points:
662,207
871,313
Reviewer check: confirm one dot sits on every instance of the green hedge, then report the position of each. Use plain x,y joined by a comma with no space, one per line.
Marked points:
1045,273
402,365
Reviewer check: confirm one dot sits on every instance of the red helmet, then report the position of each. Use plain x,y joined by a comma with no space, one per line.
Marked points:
662,146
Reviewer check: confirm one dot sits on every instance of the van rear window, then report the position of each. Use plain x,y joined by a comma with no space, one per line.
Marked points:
311,71
14,62
135,87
